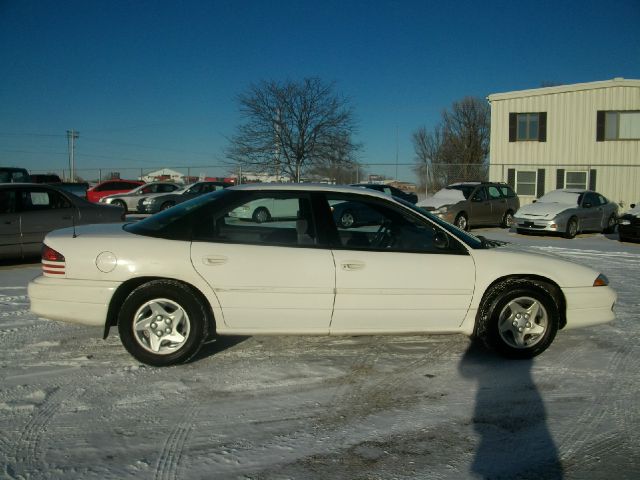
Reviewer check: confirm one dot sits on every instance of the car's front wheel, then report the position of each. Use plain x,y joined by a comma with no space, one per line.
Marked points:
519,318
462,222
162,322
507,220
611,224
120,203
572,228
261,215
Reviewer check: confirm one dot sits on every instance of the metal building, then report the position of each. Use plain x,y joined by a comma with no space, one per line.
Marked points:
585,135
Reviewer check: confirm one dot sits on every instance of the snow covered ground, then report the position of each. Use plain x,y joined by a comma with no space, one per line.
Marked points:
75,406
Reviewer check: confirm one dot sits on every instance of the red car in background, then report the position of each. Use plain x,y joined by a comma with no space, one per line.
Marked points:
110,187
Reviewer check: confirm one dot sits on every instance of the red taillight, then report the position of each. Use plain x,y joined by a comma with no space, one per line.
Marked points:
50,255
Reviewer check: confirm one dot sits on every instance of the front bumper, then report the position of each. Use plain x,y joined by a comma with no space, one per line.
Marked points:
539,225
588,306
629,232
85,302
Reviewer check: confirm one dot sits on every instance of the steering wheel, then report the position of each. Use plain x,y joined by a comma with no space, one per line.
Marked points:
384,237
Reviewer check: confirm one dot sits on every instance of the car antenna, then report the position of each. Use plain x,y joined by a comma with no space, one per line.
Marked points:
73,224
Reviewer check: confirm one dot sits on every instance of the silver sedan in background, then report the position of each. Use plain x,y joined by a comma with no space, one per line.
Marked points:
129,200
568,211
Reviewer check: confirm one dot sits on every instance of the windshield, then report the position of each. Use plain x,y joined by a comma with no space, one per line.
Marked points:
561,196
466,237
465,189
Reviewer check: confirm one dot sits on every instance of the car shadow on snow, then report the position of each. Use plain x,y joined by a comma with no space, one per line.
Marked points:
217,345
510,419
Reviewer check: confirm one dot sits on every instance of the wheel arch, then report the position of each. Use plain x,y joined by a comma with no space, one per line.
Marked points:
123,291
550,285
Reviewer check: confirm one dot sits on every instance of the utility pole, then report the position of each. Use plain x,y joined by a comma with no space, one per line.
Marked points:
72,136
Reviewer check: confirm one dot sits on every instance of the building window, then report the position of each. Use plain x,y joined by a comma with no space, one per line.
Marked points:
527,127
618,125
575,180
526,182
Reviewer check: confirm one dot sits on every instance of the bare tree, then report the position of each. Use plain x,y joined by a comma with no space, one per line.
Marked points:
291,126
458,147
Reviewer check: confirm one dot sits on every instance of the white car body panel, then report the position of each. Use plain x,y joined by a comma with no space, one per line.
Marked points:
401,292
269,289
275,290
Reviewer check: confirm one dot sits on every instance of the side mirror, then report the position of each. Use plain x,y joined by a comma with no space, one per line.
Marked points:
534,201
633,205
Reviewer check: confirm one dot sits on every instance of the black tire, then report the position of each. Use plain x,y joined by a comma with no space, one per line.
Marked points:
622,239
347,219
171,301
611,224
522,231
167,205
497,317
261,215
121,204
462,222
507,219
572,228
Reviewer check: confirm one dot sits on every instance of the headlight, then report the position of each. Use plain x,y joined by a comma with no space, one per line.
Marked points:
601,281
624,222
147,201
441,210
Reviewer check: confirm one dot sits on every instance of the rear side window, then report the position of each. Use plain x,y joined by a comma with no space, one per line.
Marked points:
507,192
494,192
268,219
33,200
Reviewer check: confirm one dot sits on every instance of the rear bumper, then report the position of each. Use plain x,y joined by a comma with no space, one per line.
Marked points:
76,301
588,306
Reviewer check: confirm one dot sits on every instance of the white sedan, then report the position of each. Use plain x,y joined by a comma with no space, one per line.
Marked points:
173,280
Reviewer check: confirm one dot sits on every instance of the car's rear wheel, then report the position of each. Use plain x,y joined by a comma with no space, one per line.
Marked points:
572,228
347,219
519,318
462,222
167,205
611,224
120,203
507,220
162,322
261,215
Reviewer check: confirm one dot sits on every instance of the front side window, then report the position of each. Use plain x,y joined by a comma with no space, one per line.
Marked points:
526,182
618,125
507,192
575,180
368,225
7,201
480,195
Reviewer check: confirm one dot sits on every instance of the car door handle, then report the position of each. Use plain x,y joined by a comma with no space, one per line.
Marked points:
215,260
352,265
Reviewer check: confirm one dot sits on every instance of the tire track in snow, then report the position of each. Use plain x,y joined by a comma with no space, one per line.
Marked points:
28,450
170,458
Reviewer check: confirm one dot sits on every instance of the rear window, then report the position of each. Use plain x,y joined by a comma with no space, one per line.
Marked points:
15,175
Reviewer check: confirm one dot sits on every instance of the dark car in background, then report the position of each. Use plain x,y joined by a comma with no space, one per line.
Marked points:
629,225
474,204
110,187
389,190
161,201
14,174
29,211
45,178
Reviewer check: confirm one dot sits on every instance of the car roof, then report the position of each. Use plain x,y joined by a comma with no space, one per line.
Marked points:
310,187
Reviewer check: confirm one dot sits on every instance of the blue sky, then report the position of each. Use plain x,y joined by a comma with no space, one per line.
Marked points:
153,84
